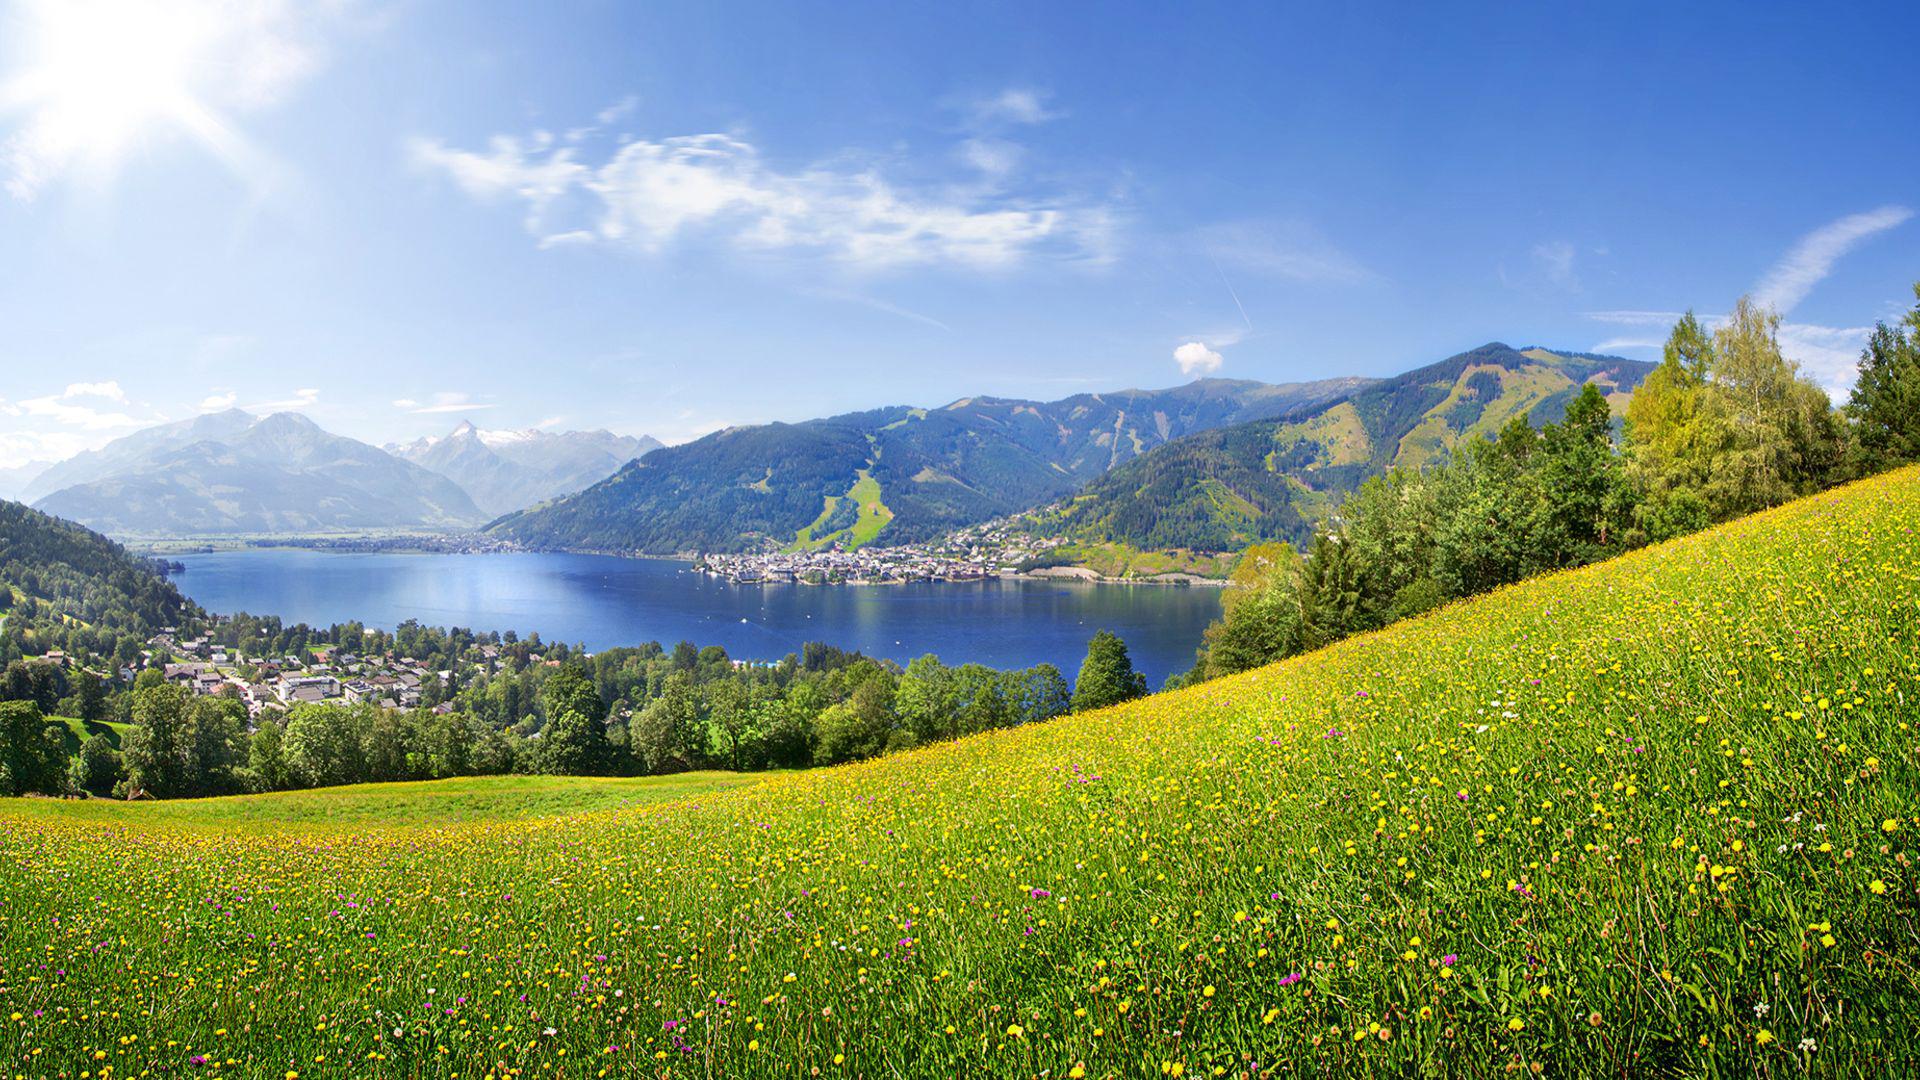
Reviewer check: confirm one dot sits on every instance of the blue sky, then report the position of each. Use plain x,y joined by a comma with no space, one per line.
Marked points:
669,218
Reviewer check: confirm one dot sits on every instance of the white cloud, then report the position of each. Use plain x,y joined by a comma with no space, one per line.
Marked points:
302,399
219,400
1291,251
110,390
446,402
1014,105
80,416
1812,259
404,403
650,195
1195,358
1829,355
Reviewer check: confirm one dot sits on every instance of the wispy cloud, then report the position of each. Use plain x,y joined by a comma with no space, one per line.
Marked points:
219,400
80,416
877,304
1014,105
650,195
1636,318
304,398
446,401
1555,259
1291,251
1812,259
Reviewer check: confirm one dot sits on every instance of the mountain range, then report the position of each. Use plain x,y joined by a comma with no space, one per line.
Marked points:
901,472
1223,489
232,472
1211,465
503,471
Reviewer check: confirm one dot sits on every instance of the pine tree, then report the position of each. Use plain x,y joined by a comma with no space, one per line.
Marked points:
1107,677
1885,407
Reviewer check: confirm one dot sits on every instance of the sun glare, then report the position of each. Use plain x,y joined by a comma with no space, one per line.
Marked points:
100,76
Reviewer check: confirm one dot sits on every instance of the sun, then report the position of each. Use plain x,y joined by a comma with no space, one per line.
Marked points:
96,78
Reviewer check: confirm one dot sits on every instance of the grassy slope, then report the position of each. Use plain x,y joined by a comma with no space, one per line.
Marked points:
874,516
1651,815
421,804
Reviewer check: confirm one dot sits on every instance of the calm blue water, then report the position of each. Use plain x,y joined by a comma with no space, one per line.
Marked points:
605,601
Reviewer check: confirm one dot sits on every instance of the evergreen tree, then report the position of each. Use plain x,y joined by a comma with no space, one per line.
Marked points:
1885,407
1107,676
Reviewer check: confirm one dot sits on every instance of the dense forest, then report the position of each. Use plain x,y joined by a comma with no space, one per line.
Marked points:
64,587
1723,427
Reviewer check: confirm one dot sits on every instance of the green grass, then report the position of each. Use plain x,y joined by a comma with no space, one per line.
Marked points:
1653,817
418,804
874,516
79,731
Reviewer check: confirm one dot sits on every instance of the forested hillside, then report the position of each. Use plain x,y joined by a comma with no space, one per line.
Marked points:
1223,489
918,472
65,587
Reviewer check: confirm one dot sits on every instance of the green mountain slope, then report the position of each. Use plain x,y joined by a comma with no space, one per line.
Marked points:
930,469
65,587
1223,489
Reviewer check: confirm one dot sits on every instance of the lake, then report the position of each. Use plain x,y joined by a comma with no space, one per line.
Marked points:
604,601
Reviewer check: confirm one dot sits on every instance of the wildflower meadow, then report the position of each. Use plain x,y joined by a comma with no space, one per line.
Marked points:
1653,816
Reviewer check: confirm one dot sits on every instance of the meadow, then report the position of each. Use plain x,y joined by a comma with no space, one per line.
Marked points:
1654,817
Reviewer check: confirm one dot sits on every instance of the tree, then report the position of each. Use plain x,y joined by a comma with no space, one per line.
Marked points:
1885,407
324,745
1260,619
1333,600
733,721
217,744
670,734
1670,438
92,693
858,727
159,749
1038,693
1587,499
1107,676
927,700
571,689
266,759
573,744
97,768
33,752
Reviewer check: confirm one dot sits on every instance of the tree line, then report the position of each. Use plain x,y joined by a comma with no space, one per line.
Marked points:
1725,426
636,711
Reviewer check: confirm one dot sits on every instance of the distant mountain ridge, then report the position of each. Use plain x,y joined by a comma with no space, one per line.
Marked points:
504,471
232,472
1223,489
888,475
